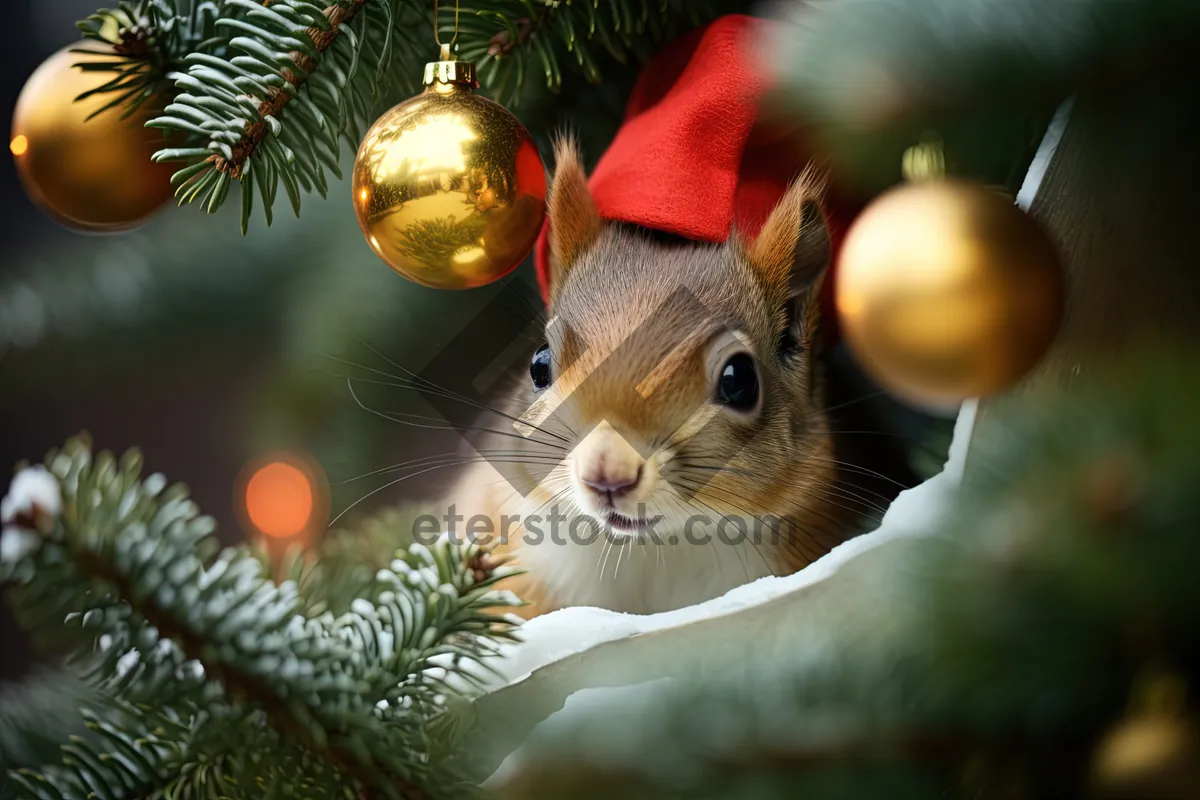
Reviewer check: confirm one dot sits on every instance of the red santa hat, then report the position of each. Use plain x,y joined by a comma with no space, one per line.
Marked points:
693,158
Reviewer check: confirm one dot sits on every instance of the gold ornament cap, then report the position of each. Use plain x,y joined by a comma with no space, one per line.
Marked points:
448,71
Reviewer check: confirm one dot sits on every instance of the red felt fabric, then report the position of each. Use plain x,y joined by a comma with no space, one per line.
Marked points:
692,158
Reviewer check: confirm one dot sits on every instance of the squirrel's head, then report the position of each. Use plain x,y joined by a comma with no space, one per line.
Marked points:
684,373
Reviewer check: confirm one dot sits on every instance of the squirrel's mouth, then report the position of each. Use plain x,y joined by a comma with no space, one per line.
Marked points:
626,524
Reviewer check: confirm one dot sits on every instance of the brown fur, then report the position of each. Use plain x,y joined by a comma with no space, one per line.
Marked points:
606,281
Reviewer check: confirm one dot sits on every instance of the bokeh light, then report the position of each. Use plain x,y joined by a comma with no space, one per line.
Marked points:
281,496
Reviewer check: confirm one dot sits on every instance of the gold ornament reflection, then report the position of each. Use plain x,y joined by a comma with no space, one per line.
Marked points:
435,144
448,187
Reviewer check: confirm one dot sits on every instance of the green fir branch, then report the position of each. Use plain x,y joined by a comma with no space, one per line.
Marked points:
344,565
196,642
145,42
38,713
512,40
298,77
264,94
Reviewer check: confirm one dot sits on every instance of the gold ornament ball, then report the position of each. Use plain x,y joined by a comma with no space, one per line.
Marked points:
1148,757
946,291
448,186
91,175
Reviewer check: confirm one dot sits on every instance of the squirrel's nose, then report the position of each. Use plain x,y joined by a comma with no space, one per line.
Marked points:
615,482
606,463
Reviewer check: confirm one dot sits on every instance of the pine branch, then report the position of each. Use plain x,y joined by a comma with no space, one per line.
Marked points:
345,564
203,639
513,39
321,36
264,94
296,78
37,714
148,41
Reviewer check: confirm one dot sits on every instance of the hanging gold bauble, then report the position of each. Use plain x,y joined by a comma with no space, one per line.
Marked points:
1148,757
448,186
91,175
947,291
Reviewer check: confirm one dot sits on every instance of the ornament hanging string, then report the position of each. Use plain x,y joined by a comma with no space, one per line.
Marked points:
445,48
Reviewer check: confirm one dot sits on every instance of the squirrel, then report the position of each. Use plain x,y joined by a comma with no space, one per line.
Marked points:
677,435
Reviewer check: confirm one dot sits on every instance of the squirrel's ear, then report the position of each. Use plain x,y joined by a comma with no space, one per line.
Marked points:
574,221
792,251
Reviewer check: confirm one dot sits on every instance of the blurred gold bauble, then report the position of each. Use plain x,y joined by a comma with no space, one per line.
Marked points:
448,186
947,291
1148,757
94,175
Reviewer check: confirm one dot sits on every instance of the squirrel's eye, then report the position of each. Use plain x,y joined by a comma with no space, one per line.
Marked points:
539,367
738,385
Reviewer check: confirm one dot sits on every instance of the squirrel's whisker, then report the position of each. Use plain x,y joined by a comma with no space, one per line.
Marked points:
425,386
481,457
399,383
855,401
392,416
400,480
860,470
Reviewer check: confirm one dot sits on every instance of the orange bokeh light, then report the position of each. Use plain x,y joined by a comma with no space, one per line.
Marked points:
19,145
279,499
